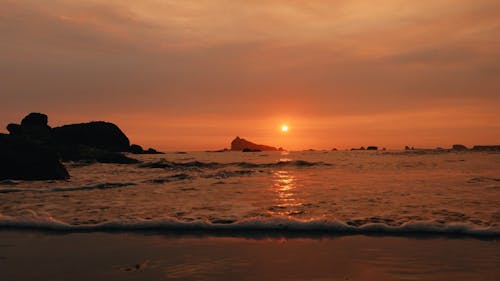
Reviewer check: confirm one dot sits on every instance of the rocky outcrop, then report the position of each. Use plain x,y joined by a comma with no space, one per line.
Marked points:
23,159
242,144
137,149
361,148
36,120
372,148
97,141
101,135
33,150
34,127
486,148
251,150
460,147
93,154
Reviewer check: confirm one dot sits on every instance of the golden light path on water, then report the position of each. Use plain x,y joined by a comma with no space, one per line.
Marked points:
285,185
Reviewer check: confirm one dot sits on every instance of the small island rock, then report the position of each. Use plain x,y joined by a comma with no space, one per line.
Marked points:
241,144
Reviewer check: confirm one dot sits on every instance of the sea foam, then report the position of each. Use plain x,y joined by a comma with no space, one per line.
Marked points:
271,226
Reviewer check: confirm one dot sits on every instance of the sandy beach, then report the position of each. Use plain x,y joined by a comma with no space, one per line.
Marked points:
26,255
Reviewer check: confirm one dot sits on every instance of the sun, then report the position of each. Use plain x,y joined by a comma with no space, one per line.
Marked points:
284,128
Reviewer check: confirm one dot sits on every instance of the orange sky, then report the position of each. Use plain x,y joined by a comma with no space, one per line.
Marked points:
189,75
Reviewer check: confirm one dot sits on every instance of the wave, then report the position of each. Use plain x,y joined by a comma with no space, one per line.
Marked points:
176,177
106,185
164,164
255,226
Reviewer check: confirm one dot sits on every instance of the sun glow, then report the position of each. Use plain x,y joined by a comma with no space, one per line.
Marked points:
284,128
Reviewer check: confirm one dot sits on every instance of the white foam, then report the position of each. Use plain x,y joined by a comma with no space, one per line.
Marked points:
263,226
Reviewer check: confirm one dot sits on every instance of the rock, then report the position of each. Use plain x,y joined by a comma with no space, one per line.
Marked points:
22,159
459,147
372,148
14,129
486,148
101,135
361,148
240,144
152,151
33,127
35,119
87,153
136,149
219,150
334,149
251,150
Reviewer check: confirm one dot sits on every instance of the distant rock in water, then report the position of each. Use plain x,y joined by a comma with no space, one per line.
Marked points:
137,149
372,148
361,148
486,148
459,147
241,144
219,150
23,159
251,150
102,135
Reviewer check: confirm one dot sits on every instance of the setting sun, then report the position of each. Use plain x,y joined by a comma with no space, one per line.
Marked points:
284,128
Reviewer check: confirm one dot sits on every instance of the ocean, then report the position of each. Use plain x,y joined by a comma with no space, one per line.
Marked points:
269,193
300,215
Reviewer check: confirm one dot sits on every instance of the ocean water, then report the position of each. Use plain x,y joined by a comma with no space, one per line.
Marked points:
312,192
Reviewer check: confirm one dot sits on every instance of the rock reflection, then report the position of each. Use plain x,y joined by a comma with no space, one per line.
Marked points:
284,185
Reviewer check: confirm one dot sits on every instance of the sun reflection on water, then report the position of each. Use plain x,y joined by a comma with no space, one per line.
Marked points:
284,185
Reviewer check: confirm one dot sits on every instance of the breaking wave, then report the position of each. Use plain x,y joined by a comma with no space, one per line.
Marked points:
250,227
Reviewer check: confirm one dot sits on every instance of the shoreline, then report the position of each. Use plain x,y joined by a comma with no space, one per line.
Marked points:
26,255
278,227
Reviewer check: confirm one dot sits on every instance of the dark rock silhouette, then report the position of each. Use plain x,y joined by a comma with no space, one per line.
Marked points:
240,144
96,141
152,151
33,150
219,150
93,154
251,150
22,159
137,149
459,147
361,148
36,119
486,148
101,135
372,148
34,127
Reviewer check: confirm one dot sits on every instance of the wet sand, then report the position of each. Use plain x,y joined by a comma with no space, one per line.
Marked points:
26,255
